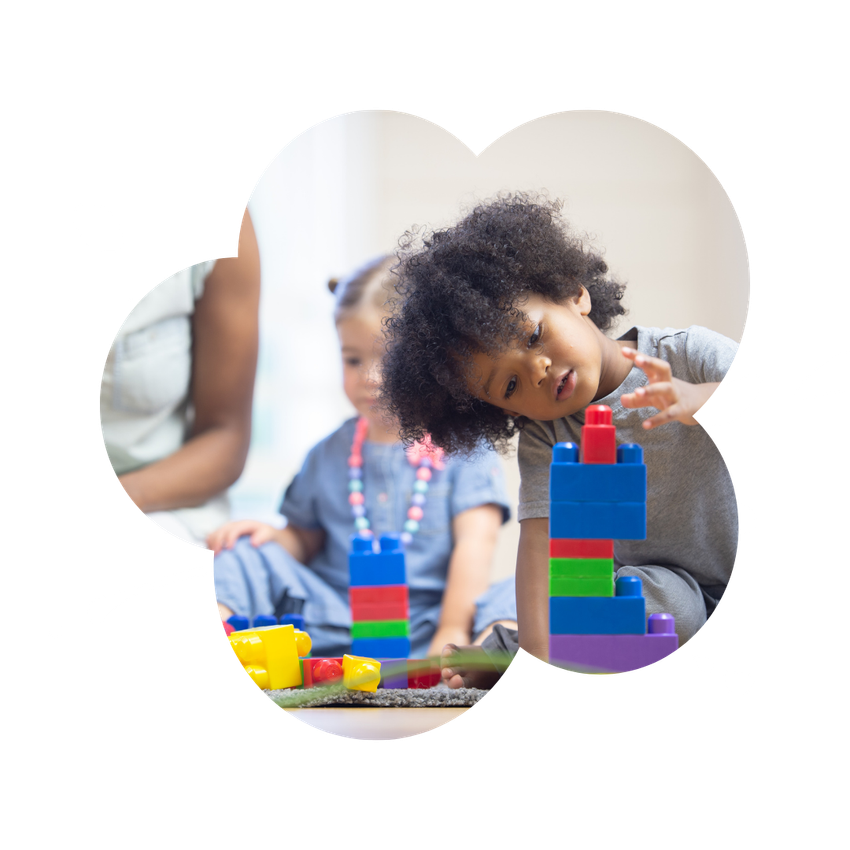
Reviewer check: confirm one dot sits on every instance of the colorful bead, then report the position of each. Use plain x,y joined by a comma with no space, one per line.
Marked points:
355,485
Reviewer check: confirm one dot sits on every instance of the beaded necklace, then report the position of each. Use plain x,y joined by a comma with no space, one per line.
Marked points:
423,456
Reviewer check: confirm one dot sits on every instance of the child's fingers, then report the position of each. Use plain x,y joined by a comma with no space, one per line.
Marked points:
669,414
655,368
660,395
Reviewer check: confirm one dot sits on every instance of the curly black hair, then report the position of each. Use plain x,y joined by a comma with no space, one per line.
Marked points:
459,291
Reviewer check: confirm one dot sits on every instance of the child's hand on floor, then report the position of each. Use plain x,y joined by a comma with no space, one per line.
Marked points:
226,535
674,399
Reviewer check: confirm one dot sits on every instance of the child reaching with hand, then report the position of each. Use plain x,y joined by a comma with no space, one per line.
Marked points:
500,329
448,512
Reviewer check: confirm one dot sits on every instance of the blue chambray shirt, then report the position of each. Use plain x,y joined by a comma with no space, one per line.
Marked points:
317,498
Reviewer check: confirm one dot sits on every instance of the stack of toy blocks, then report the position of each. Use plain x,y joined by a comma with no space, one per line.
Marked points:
380,618
596,496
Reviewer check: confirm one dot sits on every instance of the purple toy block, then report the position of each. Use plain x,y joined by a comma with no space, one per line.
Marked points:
394,679
610,653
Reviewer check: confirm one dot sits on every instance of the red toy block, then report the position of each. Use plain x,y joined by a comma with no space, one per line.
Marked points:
390,611
325,670
569,548
598,436
306,673
380,595
422,674
228,629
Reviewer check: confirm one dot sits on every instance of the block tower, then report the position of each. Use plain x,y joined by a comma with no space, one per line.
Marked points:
598,495
380,626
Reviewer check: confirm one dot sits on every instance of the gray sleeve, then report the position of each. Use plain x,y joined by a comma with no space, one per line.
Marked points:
698,355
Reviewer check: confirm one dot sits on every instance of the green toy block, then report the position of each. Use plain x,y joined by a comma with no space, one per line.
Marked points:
592,586
582,567
380,628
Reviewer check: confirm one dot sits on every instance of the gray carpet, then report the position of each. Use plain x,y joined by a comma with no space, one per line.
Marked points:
437,697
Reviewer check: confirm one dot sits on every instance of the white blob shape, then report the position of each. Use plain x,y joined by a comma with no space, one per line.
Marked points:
99,609
703,663
98,228
830,377
730,401
748,519
737,683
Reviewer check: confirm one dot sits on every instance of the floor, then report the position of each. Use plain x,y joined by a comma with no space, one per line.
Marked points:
376,723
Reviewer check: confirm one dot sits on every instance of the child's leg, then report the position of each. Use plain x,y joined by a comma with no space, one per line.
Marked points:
253,581
496,605
670,590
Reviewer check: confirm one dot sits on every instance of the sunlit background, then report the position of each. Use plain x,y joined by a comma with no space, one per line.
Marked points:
346,190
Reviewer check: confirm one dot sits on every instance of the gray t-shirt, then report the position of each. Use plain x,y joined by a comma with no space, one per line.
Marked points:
691,513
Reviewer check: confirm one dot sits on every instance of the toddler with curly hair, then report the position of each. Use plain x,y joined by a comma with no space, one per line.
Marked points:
498,329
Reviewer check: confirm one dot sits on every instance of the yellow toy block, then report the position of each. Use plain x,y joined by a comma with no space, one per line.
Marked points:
269,655
360,674
303,643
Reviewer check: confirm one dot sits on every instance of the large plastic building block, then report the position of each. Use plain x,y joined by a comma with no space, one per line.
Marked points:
610,653
325,671
370,568
381,647
422,673
239,623
617,520
593,615
228,628
571,481
381,595
389,611
293,620
306,673
265,620
582,568
572,548
582,586
380,628
598,436
388,602
393,673
269,656
360,674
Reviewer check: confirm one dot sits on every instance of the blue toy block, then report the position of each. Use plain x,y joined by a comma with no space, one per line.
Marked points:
597,615
293,620
264,620
571,481
598,520
396,647
239,623
368,568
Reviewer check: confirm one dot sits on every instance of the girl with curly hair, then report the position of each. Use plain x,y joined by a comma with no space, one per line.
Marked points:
499,328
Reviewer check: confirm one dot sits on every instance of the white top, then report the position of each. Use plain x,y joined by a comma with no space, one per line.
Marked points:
145,409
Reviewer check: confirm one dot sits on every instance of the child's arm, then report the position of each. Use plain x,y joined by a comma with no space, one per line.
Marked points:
673,398
475,532
532,587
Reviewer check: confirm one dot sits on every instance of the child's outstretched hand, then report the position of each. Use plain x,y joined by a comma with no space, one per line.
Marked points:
226,535
674,399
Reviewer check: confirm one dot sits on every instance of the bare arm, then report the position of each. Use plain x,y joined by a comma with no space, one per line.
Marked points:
224,362
532,587
475,534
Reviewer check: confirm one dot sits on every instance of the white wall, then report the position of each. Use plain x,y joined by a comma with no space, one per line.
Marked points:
348,188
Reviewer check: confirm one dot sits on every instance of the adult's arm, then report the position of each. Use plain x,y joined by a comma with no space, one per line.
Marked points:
224,363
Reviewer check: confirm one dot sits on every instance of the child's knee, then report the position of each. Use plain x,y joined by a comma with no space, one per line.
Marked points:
672,591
